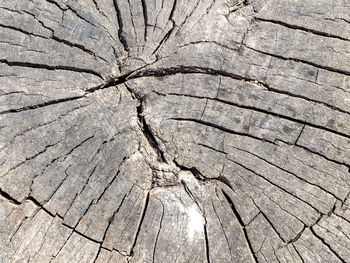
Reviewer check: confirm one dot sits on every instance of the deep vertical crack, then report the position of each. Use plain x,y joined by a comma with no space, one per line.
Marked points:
145,17
160,227
120,24
240,221
140,223
145,128
149,134
207,252
327,245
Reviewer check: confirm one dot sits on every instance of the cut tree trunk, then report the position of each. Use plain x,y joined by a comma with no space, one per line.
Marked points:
174,131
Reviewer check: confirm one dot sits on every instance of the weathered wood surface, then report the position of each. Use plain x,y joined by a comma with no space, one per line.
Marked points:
174,131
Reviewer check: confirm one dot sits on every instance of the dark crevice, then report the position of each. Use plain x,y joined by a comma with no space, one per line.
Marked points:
120,24
58,186
224,180
323,156
53,257
165,38
21,30
149,135
167,35
212,42
268,180
110,221
81,47
234,210
251,220
274,253
39,105
109,184
157,237
262,254
9,197
327,245
29,158
18,228
190,14
50,67
301,131
109,83
98,9
222,228
140,223
56,4
64,41
197,174
65,172
340,71
291,173
39,21
161,72
11,10
301,232
209,71
262,213
272,226
308,99
92,203
98,253
332,211
238,5
171,15
296,250
79,16
81,234
148,131
219,128
39,250
278,115
301,28
240,221
83,188
211,148
78,232
145,17
37,203
207,252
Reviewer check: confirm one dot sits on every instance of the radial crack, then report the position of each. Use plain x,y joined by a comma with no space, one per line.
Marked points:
240,221
120,24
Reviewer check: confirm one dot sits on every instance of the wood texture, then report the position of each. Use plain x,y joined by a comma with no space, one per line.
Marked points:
174,131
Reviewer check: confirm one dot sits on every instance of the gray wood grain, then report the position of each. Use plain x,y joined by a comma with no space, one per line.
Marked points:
174,131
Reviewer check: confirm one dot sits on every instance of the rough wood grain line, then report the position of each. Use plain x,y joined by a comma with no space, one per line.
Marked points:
120,25
240,222
291,26
49,67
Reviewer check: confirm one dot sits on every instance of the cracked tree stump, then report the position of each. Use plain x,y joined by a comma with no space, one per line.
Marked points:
174,131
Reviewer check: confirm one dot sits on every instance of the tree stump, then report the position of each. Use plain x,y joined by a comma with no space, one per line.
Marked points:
174,131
